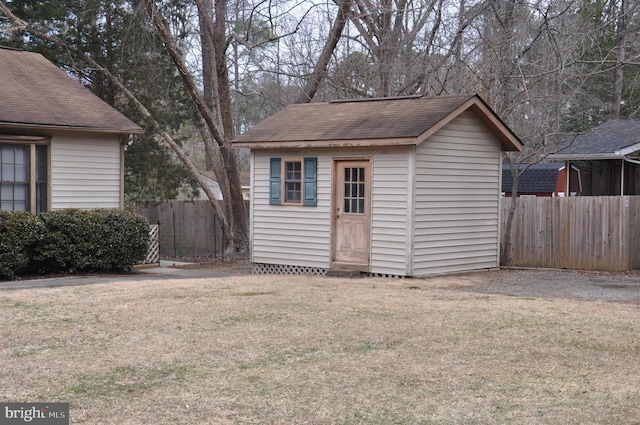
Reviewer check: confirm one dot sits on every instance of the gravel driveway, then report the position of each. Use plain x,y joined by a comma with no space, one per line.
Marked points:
535,283
545,283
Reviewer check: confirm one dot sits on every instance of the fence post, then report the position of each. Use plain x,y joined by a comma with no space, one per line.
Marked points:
215,237
222,247
175,251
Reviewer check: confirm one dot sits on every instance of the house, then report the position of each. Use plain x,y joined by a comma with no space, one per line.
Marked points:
397,186
541,179
608,157
210,178
60,145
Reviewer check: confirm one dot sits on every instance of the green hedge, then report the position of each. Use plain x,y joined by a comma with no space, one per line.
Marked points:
73,240
19,231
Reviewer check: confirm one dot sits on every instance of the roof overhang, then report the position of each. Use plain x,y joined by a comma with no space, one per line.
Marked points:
509,141
628,150
584,156
297,144
23,127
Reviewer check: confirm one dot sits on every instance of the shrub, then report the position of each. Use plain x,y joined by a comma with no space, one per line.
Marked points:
122,239
78,240
19,231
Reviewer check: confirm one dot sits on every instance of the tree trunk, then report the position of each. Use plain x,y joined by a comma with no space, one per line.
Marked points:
320,71
505,254
208,82
218,120
621,35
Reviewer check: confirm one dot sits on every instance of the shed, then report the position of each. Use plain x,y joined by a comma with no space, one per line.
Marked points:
60,145
395,186
542,179
608,156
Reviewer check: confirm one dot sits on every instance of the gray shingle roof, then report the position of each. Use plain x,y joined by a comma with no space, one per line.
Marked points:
34,92
607,138
539,178
378,121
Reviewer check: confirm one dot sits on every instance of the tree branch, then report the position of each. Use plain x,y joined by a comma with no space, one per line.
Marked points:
213,124
320,71
24,26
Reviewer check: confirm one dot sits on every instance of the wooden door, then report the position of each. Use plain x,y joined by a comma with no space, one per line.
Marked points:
352,215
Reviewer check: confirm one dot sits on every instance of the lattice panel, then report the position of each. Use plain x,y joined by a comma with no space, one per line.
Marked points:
386,275
153,254
284,269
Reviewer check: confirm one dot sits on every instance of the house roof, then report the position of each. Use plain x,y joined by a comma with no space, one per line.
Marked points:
538,178
370,122
34,93
610,140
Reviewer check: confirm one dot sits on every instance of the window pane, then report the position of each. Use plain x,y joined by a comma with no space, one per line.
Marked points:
41,164
293,170
8,171
41,179
293,192
41,197
354,190
20,155
8,155
13,197
20,192
21,173
6,192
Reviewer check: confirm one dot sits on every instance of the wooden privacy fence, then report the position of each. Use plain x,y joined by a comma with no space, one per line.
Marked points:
186,228
584,232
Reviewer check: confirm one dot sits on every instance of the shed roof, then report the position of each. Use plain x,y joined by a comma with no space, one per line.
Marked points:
34,93
610,140
538,178
370,122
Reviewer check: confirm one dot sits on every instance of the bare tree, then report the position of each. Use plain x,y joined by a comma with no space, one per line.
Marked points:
528,73
217,120
621,38
320,70
163,134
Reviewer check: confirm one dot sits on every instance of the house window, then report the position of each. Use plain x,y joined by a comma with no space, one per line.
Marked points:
292,181
23,177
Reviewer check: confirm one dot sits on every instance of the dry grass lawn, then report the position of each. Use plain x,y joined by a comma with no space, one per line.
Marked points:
311,350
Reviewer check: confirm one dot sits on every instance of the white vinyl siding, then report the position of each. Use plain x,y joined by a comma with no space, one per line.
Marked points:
301,236
85,172
390,212
290,234
434,207
457,199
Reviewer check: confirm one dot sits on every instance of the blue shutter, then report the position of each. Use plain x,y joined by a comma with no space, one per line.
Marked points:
310,182
274,182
